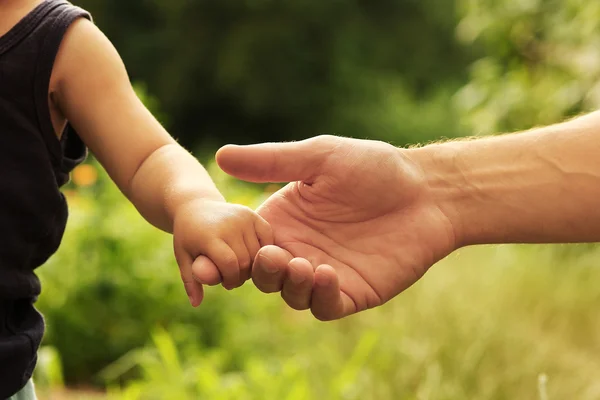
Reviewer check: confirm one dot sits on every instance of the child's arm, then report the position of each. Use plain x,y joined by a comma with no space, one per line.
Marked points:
168,186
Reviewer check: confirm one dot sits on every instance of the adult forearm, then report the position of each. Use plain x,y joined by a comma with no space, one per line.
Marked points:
169,177
537,186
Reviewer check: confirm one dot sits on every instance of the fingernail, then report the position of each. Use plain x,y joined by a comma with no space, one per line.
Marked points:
268,265
322,281
191,301
295,277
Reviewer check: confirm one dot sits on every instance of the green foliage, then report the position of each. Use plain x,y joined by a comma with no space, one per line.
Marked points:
540,62
164,376
49,372
246,71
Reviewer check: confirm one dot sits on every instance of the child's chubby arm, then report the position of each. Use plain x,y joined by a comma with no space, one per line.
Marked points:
168,186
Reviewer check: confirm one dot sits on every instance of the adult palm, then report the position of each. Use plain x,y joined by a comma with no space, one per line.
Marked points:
356,226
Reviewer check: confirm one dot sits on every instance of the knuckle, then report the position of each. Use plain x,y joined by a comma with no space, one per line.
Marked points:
249,216
327,139
267,229
242,210
247,211
254,249
296,291
229,261
220,230
245,263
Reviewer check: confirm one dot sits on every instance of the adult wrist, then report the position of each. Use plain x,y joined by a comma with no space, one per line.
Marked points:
445,184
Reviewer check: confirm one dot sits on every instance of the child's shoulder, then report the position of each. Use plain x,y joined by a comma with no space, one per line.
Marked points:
87,67
33,31
84,51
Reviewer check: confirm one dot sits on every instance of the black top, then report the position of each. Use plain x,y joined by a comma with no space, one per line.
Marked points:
33,165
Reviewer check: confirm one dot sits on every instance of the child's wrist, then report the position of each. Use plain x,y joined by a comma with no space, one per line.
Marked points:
183,200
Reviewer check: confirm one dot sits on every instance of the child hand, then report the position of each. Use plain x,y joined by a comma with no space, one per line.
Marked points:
216,238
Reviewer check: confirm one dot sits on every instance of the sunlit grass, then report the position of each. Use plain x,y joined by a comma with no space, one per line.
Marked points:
487,323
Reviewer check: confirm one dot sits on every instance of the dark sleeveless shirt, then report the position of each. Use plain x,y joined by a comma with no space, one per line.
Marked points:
34,164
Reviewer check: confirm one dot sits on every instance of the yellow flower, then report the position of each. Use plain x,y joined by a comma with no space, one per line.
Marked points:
85,175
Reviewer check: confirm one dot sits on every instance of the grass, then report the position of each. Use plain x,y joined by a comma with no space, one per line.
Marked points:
504,322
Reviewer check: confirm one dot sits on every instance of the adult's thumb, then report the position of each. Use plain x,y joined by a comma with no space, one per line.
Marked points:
277,162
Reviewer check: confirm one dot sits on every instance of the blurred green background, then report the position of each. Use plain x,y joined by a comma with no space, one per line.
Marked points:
497,322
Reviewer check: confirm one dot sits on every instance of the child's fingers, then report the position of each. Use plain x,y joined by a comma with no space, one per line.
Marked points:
264,231
253,246
252,243
226,260
244,261
206,272
193,288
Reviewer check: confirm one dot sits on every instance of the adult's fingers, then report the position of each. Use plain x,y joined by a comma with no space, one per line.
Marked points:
270,268
277,162
205,271
298,284
328,302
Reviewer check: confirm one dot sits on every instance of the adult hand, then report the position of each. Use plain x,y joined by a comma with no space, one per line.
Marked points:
356,226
